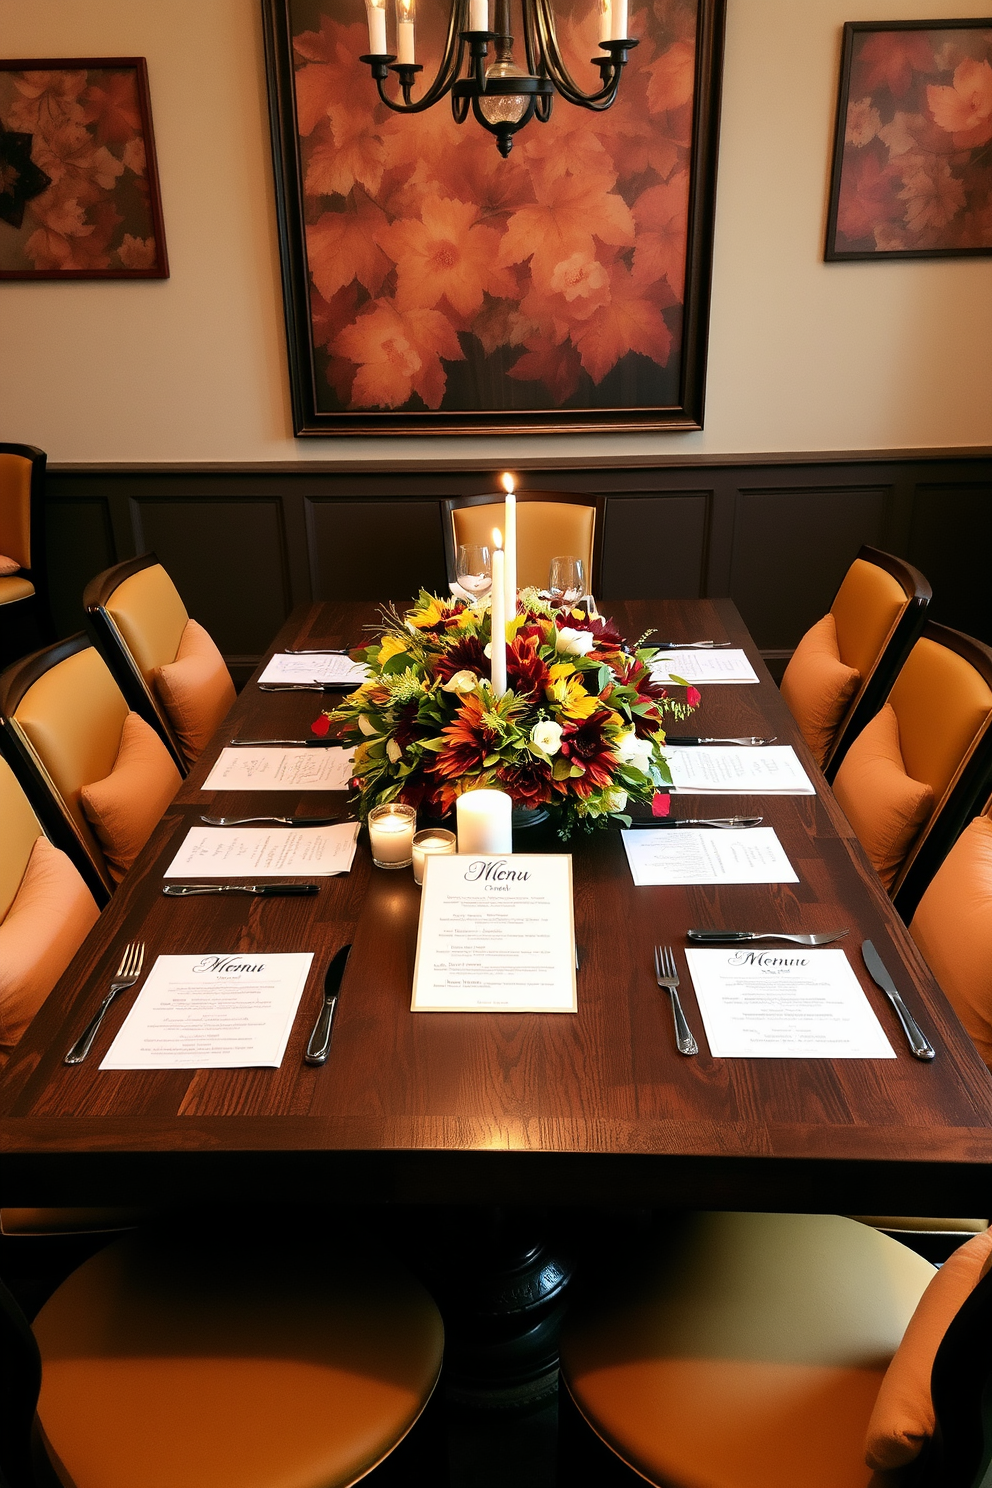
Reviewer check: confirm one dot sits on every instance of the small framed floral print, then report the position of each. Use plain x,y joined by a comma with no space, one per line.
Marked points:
432,286
912,169
79,194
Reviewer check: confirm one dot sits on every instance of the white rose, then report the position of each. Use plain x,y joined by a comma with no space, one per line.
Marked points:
547,736
367,727
634,751
614,800
394,751
575,642
462,682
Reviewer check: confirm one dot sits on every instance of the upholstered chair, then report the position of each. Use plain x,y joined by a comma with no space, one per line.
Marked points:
25,616
221,1362
766,1351
550,524
843,667
98,777
920,769
166,664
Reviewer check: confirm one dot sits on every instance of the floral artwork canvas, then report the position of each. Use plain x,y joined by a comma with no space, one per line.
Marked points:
913,154
79,196
444,287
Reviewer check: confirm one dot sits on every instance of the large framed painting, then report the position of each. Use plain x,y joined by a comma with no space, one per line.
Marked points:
433,286
79,195
912,168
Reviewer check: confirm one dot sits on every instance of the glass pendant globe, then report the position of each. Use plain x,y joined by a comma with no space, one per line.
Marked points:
504,108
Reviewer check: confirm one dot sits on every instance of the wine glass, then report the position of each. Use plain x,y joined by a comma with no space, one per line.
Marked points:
567,580
473,569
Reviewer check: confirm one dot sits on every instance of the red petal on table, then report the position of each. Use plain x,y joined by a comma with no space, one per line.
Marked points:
662,804
320,725
692,696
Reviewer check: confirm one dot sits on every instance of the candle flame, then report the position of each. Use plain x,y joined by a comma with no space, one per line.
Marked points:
497,538
509,485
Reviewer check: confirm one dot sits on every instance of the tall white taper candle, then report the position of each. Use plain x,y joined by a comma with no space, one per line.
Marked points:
619,20
498,616
478,15
511,547
377,27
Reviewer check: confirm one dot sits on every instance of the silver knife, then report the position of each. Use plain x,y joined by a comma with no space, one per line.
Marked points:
319,1045
302,686
695,821
269,890
286,743
690,645
316,651
738,937
750,741
919,1044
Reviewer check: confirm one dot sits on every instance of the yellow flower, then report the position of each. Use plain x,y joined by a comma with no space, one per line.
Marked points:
565,688
390,646
434,613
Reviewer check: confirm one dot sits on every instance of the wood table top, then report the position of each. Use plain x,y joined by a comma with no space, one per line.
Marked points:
596,1107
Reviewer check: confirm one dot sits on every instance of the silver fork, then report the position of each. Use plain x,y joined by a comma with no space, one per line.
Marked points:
278,821
127,974
667,977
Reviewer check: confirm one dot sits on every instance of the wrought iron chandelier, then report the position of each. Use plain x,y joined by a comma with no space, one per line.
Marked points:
503,96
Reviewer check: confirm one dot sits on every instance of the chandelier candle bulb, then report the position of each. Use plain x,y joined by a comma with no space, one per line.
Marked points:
511,547
485,822
619,20
376,12
433,843
405,17
605,21
391,830
478,15
497,617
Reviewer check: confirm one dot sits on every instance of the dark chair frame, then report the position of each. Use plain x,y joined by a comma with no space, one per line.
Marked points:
37,574
490,498
114,650
45,801
878,684
968,793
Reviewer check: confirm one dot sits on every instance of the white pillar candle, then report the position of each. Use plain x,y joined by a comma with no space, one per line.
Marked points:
478,15
511,547
376,12
391,830
619,23
497,617
485,822
433,843
605,20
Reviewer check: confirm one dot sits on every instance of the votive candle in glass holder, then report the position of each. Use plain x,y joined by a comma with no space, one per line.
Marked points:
391,830
485,822
433,842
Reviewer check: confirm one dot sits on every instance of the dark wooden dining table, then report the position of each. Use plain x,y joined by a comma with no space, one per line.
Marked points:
509,1108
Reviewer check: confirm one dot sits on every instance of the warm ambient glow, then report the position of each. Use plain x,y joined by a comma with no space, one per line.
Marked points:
509,484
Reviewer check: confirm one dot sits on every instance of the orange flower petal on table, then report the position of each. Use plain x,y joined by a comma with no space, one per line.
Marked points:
112,105
888,59
661,214
446,255
398,354
342,246
630,322
964,109
672,78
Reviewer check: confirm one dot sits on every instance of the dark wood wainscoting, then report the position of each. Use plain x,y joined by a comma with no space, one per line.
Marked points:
246,543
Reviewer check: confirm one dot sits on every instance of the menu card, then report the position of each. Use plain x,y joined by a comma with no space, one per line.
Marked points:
707,855
703,666
212,1012
323,769
728,770
794,1003
331,670
496,935
265,852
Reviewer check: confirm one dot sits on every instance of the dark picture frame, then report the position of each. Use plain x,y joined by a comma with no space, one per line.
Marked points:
912,160
79,188
489,385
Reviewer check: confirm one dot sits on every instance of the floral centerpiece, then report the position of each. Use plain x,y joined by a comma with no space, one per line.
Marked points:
579,730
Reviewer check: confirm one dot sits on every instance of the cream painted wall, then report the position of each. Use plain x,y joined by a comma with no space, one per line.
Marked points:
803,355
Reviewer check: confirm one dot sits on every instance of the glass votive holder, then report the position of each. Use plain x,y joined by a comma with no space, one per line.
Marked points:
391,830
433,842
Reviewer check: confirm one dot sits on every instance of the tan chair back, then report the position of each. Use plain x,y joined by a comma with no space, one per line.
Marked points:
943,705
15,508
866,611
151,617
71,719
21,830
545,530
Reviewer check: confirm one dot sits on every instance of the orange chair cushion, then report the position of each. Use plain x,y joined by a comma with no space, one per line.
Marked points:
51,915
818,687
15,587
884,805
903,1415
195,690
227,1364
8,565
124,808
953,929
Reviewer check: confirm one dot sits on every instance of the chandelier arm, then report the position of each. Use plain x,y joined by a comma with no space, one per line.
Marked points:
535,60
448,68
559,74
